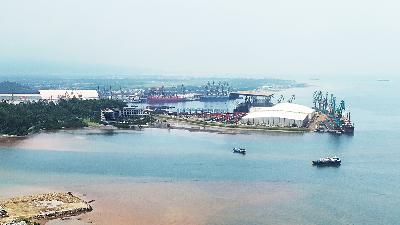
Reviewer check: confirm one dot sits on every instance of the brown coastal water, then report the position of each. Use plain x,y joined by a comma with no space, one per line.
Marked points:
179,203
192,203
121,200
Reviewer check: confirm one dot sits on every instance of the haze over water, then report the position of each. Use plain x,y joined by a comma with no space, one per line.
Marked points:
273,184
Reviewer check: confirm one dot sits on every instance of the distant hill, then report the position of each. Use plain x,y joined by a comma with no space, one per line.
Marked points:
8,87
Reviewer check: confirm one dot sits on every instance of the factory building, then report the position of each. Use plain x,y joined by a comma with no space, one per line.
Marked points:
132,111
282,115
17,98
50,95
109,115
55,95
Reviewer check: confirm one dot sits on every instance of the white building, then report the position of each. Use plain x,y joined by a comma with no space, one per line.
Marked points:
282,114
55,95
109,115
132,111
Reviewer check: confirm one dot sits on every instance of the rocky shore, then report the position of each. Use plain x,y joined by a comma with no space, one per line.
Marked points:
42,207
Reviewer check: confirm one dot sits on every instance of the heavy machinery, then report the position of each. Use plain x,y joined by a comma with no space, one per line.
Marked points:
336,122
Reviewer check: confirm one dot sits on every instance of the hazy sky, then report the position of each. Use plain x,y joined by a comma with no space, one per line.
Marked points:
197,37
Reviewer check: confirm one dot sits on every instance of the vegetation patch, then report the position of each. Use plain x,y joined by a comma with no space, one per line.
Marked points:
26,118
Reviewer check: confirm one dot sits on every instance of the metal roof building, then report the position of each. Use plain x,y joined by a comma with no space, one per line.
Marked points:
54,95
282,114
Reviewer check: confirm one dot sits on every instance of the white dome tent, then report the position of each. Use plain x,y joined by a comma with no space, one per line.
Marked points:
282,114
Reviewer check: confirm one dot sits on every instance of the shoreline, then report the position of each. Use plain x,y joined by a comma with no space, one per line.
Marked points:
97,127
175,123
201,126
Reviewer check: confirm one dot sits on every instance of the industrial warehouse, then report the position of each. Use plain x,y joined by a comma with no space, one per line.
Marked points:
67,94
282,114
50,95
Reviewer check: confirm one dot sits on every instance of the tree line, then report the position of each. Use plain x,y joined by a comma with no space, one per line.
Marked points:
25,118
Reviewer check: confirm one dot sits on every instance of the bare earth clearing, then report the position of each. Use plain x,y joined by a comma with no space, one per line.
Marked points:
41,207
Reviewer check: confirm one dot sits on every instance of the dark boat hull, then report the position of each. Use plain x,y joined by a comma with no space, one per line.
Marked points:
239,151
243,153
348,129
318,163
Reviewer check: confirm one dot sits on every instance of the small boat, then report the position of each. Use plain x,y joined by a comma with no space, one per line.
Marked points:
239,150
327,161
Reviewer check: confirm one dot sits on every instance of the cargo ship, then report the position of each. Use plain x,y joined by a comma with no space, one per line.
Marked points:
347,125
156,99
348,128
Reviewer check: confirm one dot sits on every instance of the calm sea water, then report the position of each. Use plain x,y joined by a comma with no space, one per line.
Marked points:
364,190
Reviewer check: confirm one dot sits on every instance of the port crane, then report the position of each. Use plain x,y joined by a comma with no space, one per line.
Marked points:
220,88
332,105
334,110
341,108
320,102
292,98
281,99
